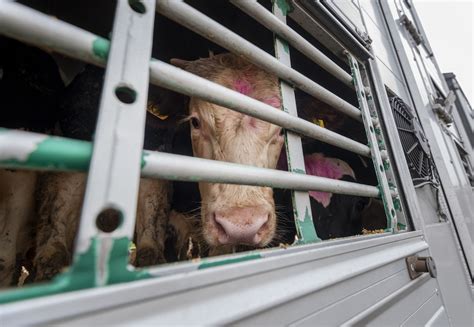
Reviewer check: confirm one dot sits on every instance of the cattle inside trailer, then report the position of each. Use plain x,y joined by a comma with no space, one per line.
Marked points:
388,114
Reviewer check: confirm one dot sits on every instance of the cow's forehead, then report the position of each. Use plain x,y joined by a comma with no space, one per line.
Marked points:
245,79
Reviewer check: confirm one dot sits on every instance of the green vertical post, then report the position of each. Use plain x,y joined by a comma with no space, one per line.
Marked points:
294,151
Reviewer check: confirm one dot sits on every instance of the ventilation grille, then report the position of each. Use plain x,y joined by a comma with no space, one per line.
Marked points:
415,145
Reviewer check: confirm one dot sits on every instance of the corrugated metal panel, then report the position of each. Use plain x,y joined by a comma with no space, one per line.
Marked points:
354,295
233,293
439,318
400,308
426,312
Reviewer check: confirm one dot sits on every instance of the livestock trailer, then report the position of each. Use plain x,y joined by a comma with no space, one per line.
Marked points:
369,60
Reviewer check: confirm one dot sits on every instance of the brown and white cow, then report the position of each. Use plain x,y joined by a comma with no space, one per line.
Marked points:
59,196
48,204
17,212
235,214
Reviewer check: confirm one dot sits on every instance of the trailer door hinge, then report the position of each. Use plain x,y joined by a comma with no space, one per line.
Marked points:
443,107
364,36
418,265
411,28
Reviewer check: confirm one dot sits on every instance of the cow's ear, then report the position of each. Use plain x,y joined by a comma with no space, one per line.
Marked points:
179,63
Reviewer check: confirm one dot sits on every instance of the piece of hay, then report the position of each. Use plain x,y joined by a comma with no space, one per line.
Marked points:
375,231
23,276
132,253
189,252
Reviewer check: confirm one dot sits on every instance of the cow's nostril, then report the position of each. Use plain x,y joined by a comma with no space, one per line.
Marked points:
221,233
220,229
240,226
262,229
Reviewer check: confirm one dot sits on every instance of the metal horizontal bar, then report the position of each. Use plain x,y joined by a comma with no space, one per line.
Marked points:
196,21
27,150
28,25
186,267
176,79
177,167
25,24
270,21
177,278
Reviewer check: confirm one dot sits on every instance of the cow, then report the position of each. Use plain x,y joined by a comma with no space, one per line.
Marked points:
29,88
235,214
337,215
60,195
334,215
17,216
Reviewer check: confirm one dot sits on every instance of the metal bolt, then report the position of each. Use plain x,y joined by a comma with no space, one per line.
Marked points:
419,265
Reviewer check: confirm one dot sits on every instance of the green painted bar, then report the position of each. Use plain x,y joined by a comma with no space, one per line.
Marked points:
120,270
306,231
284,6
54,153
101,48
210,264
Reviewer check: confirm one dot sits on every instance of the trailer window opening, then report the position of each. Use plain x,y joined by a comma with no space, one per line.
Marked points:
324,170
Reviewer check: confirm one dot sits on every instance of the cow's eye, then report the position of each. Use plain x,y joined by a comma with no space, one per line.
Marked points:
195,123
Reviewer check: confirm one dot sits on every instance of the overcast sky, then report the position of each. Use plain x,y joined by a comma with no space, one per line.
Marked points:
448,25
